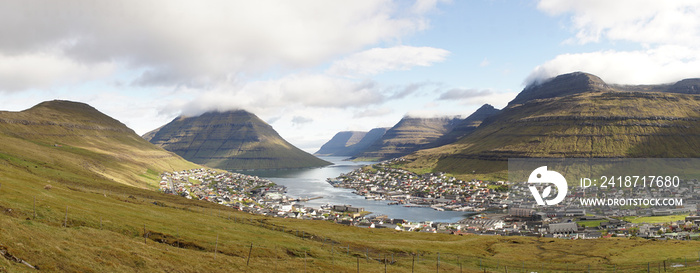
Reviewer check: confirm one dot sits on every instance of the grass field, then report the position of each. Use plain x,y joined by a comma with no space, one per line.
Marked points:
590,223
655,219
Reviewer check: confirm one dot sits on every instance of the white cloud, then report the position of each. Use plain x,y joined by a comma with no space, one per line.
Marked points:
201,43
299,120
665,64
43,70
642,21
462,94
373,112
294,90
377,60
667,31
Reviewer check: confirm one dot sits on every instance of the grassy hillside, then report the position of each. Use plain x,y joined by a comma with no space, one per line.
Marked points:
60,135
586,125
90,222
233,140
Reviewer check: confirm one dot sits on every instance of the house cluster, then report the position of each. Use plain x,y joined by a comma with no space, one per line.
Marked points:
226,188
436,190
251,194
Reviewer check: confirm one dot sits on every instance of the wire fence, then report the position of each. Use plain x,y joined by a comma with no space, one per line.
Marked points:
365,259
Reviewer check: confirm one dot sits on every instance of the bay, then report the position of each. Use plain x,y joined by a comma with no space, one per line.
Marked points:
309,183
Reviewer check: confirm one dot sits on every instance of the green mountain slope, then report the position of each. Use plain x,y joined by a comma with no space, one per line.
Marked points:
233,140
588,119
60,135
407,136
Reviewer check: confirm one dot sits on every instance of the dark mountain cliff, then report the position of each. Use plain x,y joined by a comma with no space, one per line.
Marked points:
350,143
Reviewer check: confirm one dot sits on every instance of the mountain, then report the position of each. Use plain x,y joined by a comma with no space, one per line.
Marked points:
577,115
90,141
232,140
466,126
340,142
350,143
407,136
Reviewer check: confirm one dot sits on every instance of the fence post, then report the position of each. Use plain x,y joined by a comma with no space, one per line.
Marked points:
384,263
438,263
304,261
413,262
247,262
367,253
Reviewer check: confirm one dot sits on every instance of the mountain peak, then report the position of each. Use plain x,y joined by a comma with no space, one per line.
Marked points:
63,105
485,108
562,85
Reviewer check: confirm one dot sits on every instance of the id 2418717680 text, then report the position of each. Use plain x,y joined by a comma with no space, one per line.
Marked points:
631,181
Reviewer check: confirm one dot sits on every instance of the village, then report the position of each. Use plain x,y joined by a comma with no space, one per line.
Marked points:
494,210
436,190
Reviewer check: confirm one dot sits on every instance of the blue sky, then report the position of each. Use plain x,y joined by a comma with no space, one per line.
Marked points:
313,68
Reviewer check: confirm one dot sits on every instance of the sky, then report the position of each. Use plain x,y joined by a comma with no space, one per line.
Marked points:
312,68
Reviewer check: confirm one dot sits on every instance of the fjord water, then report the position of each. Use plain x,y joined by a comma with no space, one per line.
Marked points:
309,183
